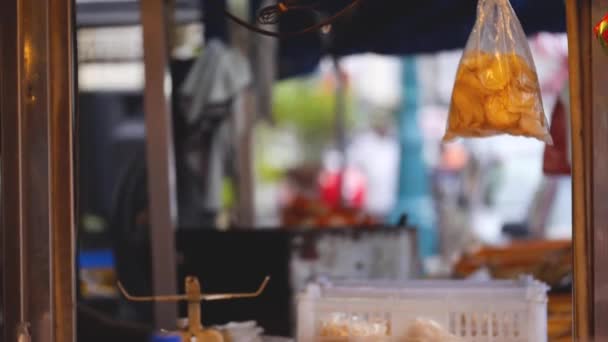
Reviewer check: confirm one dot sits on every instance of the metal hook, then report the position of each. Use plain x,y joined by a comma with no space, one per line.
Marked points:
223,296
169,298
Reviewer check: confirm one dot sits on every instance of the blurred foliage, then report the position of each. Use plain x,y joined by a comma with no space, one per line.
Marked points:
228,193
269,173
304,125
308,107
270,149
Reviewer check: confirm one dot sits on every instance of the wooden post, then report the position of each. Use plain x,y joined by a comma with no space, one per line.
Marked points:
589,107
160,156
37,130
598,161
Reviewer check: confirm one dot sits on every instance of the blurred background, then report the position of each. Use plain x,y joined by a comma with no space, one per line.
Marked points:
317,156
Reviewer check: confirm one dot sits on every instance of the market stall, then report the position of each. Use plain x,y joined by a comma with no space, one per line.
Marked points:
39,197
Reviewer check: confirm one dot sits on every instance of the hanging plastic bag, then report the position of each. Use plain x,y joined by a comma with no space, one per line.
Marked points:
496,89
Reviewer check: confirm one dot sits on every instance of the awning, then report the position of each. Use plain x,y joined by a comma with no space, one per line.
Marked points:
402,27
396,27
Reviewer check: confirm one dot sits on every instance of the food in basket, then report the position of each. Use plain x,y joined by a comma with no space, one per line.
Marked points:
492,310
496,93
422,330
341,326
335,326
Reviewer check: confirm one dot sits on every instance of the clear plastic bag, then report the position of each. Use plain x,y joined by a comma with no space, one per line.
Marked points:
496,89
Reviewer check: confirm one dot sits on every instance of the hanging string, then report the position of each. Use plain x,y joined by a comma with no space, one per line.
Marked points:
272,14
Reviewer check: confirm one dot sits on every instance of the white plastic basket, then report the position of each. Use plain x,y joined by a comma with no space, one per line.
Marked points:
492,311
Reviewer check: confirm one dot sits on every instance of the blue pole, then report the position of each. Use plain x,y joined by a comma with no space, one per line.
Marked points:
414,196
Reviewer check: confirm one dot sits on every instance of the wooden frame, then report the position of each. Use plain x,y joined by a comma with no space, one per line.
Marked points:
578,51
37,132
589,107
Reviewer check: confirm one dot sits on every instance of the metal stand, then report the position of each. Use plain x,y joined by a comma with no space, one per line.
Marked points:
194,329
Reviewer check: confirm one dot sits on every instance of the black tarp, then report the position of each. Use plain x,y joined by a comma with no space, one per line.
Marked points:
395,27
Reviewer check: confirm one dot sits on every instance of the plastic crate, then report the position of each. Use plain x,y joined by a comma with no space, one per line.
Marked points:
492,311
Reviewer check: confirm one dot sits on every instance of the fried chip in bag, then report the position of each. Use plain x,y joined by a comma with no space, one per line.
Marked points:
496,90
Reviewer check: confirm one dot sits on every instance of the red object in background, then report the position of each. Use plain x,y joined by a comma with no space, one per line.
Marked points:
555,158
601,32
350,183
319,206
